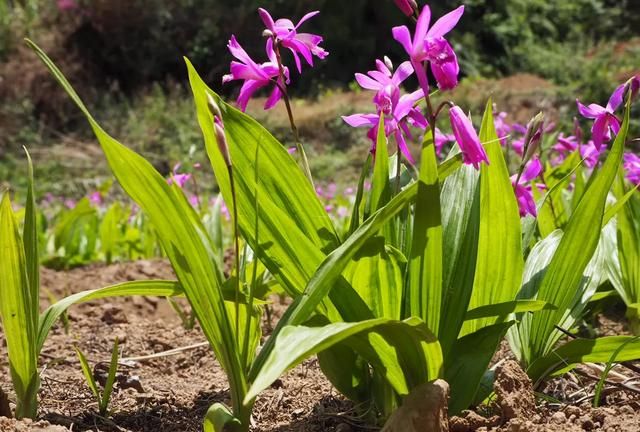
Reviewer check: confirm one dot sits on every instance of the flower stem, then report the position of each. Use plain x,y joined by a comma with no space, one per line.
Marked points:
292,123
236,238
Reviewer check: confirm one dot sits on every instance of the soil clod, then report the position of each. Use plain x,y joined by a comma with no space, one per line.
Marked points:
514,391
424,409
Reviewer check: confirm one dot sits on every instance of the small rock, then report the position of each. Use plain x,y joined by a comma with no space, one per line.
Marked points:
559,418
514,391
424,409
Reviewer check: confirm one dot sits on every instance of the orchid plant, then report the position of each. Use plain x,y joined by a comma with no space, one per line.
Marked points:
438,264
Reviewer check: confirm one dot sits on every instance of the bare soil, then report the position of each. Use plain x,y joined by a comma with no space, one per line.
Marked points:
172,393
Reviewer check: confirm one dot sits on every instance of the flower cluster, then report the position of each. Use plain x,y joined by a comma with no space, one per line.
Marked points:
273,73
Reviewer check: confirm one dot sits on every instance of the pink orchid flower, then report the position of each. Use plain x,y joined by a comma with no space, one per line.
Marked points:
591,153
397,123
441,140
523,188
605,119
632,168
429,44
255,76
472,151
502,127
385,83
300,44
181,179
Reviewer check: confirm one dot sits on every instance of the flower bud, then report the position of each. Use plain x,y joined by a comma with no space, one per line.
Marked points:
388,63
533,137
407,6
218,127
213,106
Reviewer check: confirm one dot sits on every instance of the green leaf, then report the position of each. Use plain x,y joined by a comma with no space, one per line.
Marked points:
355,215
460,218
158,288
424,288
607,369
376,274
88,375
30,240
497,280
577,246
294,227
506,308
111,379
218,417
182,236
468,362
577,351
110,232
15,304
380,187
330,271
296,343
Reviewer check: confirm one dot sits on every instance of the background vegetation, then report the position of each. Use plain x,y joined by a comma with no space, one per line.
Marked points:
125,57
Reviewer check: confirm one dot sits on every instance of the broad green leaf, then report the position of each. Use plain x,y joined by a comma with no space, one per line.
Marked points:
30,240
17,322
424,282
294,227
610,364
577,246
506,308
296,343
376,274
330,271
460,217
628,245
468,362
496,280
184,240
577,351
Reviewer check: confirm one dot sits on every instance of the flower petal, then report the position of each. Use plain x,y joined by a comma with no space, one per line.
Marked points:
446,23
367,82
403,36
246,91
422,26
360,120
267,20
616,98
592,111
599,131
402,73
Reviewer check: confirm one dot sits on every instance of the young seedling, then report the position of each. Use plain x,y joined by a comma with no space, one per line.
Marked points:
103,397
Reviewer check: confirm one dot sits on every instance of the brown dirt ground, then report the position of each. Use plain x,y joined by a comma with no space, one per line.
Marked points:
174,392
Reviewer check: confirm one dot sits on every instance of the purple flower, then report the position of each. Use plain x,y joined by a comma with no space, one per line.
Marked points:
385,83
194,201
180,179
591,154
605,119
300,44
502,127
523,188
397,123
95,198
442,139
472,151
406,6
70,203
255,76
632,168
430,45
